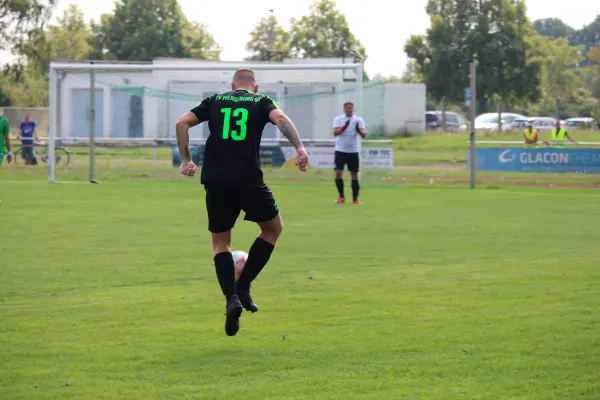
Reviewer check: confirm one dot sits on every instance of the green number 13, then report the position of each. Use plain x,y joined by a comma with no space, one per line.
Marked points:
242,117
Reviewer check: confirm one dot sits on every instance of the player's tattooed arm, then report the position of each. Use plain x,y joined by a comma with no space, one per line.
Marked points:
288,130
182,129
286,127
183,142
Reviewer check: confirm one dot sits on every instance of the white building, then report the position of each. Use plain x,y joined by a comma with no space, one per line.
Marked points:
147,104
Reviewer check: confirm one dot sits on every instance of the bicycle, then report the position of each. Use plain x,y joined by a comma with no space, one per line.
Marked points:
62,157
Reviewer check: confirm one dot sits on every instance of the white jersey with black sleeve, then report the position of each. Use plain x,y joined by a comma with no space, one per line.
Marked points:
348,140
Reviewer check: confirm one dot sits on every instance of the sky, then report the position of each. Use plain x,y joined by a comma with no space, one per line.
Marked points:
382,26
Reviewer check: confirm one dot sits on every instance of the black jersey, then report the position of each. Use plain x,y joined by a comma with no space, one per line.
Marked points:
236,120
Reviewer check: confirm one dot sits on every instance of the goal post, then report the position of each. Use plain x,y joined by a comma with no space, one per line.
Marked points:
156,86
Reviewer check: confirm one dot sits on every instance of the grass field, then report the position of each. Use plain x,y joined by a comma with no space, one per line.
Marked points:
108,292
420,150
421,159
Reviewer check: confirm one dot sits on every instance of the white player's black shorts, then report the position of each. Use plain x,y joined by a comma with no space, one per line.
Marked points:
350,159
225,202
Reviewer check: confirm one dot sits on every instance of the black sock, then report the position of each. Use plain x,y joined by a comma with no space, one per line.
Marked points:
258,256
355,189
339,182
225,273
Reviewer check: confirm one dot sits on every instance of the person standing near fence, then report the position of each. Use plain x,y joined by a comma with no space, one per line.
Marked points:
531,135
5,145
346,129
28,135
559,134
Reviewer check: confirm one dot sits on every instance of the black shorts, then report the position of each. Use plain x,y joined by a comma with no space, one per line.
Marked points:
224,204
350,159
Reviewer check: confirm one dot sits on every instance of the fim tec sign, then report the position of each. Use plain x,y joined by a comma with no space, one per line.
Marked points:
585,161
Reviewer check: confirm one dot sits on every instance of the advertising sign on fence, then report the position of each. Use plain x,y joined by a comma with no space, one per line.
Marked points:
319,157
377,158
322,157
562,160
270,156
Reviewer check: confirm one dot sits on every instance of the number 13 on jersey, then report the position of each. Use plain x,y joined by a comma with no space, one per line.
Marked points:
240,115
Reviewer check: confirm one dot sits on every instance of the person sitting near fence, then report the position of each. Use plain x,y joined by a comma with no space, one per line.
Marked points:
531,135
28,135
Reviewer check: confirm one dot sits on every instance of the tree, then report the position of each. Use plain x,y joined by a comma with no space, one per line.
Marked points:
10,73
68,40
412,73
199,43
492,32
98,39
559,78
141,30
386,79
380,78
588,36
324,32
594,56
20,19
562,80
268,41
552,28
30,90
27,82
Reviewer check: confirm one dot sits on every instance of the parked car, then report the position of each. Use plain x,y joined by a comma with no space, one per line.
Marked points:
454,121
580,123
543,124
520,124
432,122
489,121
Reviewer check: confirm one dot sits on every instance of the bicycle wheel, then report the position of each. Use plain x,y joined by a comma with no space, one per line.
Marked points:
62,157
41,155
16,156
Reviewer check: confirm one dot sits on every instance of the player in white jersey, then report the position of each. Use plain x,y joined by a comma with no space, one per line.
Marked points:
347,130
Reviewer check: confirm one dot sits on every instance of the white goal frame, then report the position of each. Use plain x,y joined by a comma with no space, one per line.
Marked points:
92,68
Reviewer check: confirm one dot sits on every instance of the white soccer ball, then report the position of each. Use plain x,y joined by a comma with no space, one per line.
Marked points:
239,261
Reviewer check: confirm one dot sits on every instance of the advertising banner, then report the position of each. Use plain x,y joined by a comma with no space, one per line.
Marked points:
563,160
270,156
319,157
377,158
322,157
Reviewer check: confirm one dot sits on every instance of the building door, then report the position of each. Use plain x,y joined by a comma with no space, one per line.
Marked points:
128,113
80,113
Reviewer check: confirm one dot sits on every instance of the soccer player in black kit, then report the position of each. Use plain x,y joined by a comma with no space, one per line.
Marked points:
233,180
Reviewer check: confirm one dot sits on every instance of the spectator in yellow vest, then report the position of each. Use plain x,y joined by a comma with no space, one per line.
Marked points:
559,134
531,135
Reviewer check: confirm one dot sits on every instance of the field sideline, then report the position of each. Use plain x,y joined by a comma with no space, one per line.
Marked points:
424,159
108,291
423,150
